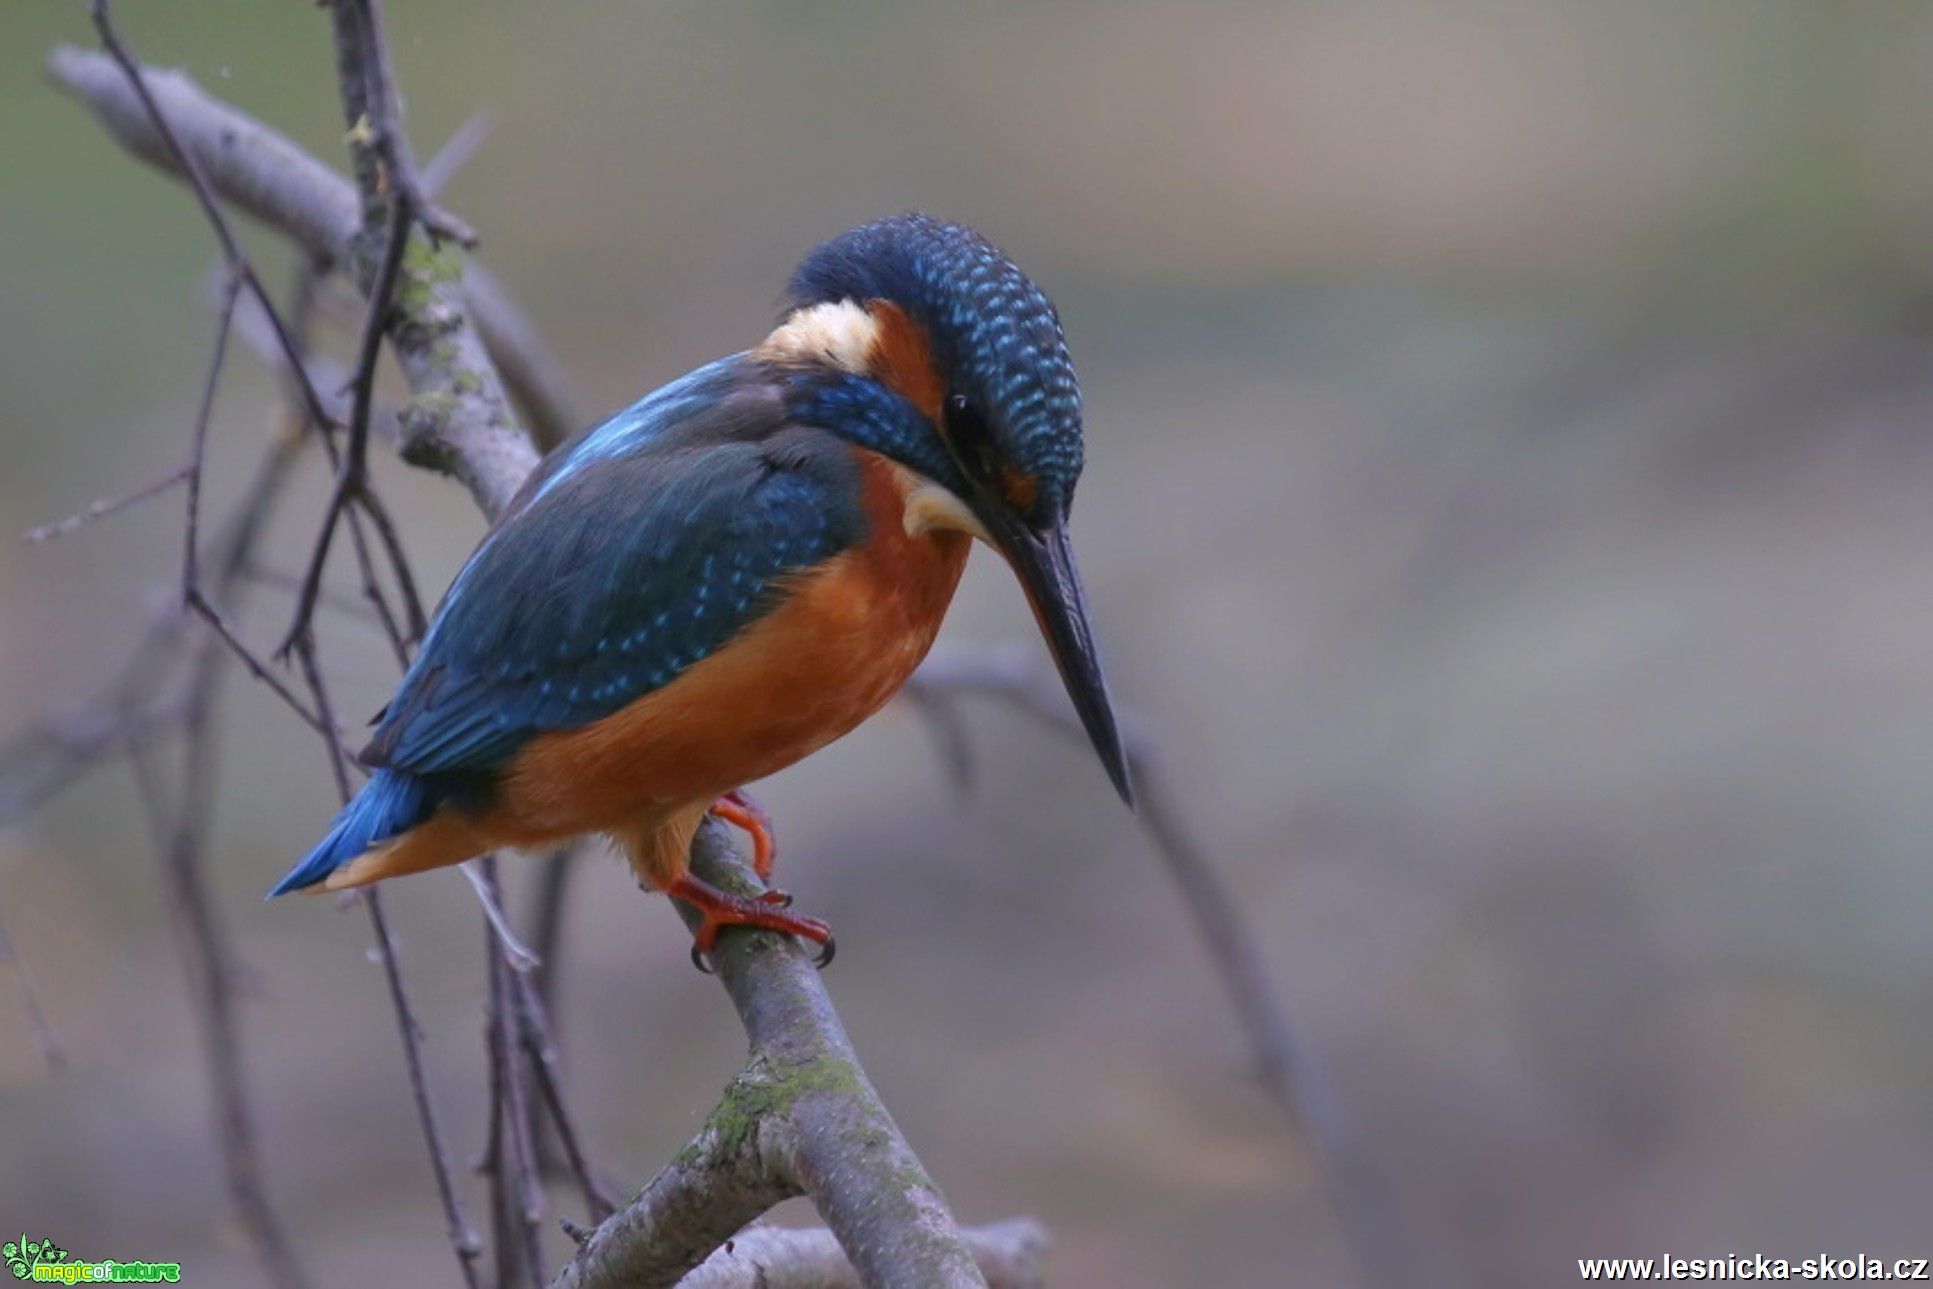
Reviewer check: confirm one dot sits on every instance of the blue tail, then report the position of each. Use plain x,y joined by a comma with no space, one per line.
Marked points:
388,805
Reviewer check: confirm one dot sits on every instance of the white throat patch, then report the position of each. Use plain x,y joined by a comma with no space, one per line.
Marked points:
934,507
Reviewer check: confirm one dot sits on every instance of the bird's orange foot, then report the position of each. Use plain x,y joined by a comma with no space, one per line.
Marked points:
722,909
739,810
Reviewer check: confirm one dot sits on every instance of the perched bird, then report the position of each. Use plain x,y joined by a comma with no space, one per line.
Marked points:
734,572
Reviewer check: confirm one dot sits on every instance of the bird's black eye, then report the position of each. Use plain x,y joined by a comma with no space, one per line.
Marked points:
970,436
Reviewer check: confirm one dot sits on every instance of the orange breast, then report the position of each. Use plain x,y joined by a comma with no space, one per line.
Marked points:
836,648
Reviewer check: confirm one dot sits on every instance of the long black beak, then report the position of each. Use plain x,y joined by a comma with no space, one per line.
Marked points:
1044,562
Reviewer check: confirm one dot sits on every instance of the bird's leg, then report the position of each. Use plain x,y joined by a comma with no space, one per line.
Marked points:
722,909
738,809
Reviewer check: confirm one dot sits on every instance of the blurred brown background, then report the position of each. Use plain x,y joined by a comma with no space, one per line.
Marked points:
1508,502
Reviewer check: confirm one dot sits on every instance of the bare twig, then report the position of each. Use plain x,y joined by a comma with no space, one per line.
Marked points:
204,599
455,154
357,407
1014,679
198,451
188,165
352,474
516,1189
517,1006
533,1022
393,203
510,1162
206,610
463,1237
521,958
424,342
372,100
328,376
548,886
1383,1243
107,506
370,506
45,1039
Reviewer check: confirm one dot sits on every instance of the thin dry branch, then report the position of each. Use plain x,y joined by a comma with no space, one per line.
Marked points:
107,506
462,1236
1384,1246
393,204
170,150
352,474
535,1048
46,1041
455,153
510,1160
534,1026
368,86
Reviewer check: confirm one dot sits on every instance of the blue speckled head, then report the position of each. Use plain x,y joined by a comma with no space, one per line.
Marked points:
995,335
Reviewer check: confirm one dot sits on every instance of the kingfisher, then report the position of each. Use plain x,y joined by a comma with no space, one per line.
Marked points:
735,571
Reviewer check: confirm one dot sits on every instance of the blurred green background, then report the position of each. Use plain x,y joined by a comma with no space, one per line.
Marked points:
1508,502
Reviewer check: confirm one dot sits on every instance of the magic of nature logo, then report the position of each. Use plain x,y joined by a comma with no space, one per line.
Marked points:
45,1261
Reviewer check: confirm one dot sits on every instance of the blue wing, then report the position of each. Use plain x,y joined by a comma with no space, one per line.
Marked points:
638,550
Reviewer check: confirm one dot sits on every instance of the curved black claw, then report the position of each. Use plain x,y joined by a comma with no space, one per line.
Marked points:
700,961
826,951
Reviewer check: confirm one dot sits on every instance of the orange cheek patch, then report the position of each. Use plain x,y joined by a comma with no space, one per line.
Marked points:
902,358
1018,488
